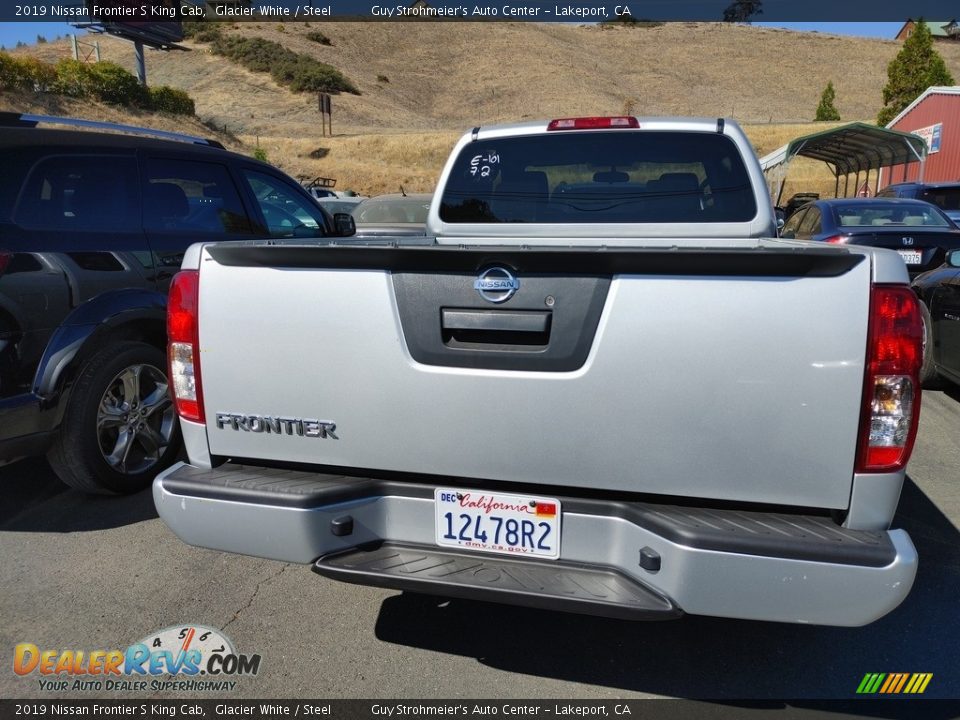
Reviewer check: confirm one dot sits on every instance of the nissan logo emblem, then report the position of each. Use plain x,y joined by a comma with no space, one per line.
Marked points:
496,284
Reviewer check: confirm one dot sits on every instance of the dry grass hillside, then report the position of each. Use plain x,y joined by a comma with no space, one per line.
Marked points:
444,77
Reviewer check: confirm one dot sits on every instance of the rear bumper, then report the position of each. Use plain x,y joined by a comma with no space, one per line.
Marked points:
753,565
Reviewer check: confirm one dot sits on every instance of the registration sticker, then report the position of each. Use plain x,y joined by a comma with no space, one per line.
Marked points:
496,523
911,257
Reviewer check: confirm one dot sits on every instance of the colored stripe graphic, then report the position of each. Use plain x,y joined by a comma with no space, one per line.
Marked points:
894,683
903,681
891,680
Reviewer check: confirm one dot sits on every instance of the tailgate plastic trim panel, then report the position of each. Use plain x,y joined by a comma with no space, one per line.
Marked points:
748,262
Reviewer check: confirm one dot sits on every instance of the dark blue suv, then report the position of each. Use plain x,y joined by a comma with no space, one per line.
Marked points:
93,225
945,195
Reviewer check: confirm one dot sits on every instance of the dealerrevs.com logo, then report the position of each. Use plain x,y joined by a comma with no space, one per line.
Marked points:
183,657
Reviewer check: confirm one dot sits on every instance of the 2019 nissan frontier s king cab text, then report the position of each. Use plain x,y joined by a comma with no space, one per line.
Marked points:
599,385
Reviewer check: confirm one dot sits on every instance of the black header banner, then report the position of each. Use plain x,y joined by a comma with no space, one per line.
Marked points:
48,709
575,11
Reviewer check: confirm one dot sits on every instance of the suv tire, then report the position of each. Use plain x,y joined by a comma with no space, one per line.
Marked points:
929,376
120,428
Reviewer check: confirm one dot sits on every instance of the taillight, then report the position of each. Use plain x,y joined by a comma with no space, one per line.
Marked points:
5,258
593,123
836,239
891,393
183,339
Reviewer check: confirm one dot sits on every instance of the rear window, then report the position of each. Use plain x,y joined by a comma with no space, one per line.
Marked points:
947,198
81,193
877,213
598,177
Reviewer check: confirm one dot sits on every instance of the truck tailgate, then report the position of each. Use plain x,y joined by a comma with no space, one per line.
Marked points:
729,375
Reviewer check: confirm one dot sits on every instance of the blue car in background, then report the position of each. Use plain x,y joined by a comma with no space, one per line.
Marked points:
945,195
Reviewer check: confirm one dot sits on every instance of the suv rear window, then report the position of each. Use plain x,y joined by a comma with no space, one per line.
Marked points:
945,198
598,177
81,193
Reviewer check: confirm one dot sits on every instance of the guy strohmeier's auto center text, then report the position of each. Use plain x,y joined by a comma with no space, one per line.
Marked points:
513,10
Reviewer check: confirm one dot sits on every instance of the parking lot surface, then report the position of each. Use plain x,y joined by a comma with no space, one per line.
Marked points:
96,573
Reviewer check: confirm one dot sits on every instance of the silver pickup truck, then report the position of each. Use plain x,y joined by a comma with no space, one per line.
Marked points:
600,385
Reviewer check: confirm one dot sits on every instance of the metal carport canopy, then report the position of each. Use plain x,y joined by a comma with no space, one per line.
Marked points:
852,148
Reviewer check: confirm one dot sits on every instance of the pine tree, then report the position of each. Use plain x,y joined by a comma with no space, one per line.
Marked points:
826,109
915,68
740,11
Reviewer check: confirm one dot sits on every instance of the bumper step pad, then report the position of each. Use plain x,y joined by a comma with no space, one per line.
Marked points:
549,585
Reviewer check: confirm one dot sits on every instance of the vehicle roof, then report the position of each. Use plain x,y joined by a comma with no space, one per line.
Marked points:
413,197
869,201
942,183
11,137
707,124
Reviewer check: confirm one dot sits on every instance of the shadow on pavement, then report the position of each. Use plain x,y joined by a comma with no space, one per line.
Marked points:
950,390
700,657
36,501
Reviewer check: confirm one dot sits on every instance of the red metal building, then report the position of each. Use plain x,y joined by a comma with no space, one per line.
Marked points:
935,116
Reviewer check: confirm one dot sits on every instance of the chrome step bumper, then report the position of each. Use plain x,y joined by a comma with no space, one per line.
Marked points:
730,563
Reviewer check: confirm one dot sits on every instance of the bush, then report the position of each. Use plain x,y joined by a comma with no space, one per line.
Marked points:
207,32
171,100
103,81
383,79
260,154
318,37
25,74
301,73
73,78
111,83
11,75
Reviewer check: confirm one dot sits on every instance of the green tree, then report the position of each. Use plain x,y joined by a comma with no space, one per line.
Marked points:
826,109
740,11
915,68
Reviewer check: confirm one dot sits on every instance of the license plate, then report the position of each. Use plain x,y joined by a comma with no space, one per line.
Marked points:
497,523
911,257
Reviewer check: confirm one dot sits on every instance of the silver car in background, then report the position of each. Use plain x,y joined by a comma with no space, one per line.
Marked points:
393,214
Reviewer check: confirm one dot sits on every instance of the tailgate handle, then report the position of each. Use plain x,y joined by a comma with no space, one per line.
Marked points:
495,320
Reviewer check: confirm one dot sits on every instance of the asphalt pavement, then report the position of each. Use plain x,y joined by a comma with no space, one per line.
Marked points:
92,573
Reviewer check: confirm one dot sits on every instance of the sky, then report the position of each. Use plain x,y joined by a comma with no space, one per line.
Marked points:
12,32
863,29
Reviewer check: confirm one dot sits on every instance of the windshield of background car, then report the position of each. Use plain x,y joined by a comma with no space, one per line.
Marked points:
599,177
946,198
338,206
878,213
393,210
